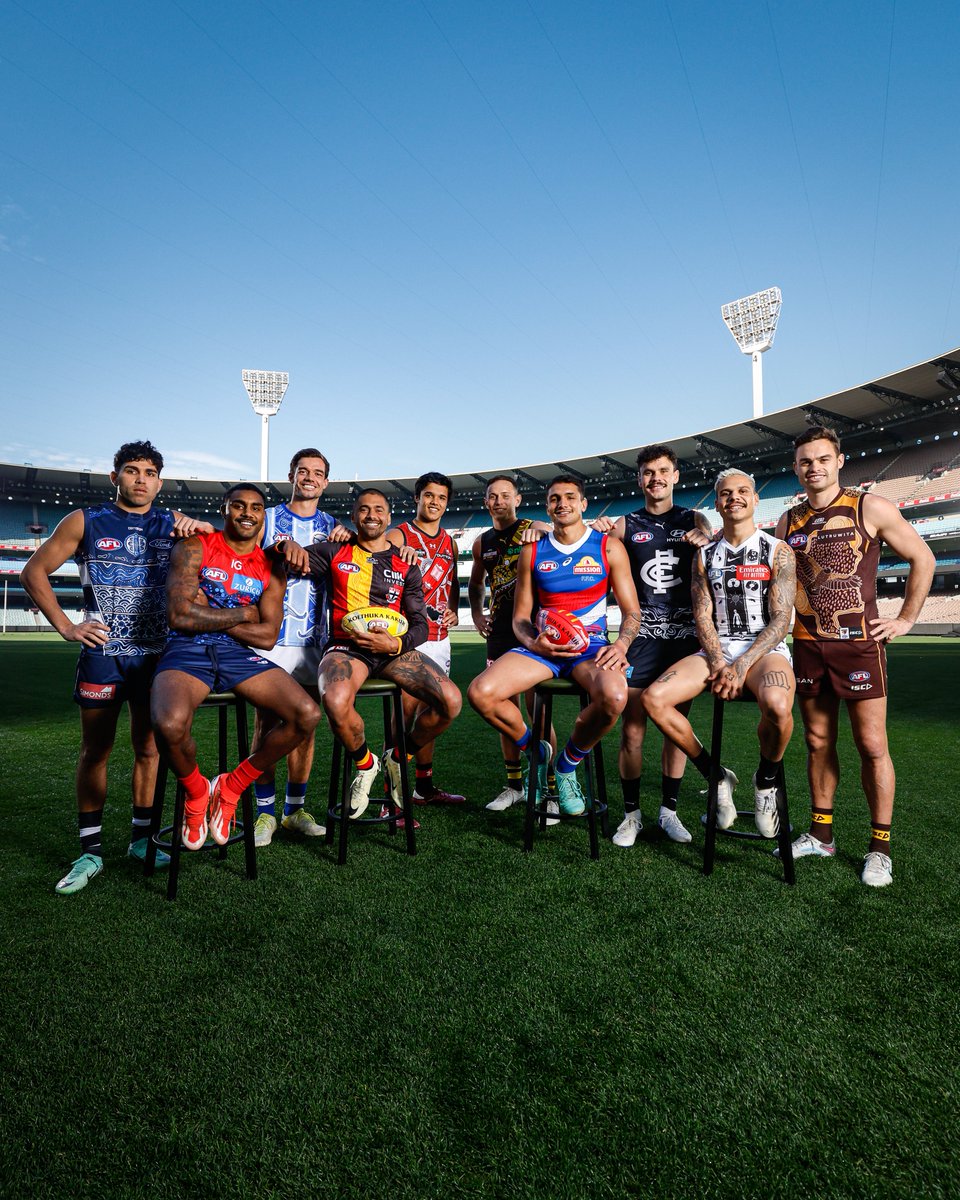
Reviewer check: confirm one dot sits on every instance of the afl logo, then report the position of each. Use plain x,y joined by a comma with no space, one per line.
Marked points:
859,676
136,544
108,544
547,567
281,537
215,574
797,540
640,538
348,568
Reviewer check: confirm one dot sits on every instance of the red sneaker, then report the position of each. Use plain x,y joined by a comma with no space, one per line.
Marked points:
401,823
223,812
437,797
193,832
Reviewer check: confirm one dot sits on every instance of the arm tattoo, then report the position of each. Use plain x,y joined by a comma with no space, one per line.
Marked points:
702,603
629,627
183,580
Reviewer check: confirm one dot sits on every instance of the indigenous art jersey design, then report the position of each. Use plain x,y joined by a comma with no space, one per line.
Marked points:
836,569
306,617
739,578
123,559
358,578
500,553
662,566
228,580
438,561
574,577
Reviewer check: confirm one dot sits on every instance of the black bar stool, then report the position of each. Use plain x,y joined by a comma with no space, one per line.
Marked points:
710,819
596,790
338,802
168,838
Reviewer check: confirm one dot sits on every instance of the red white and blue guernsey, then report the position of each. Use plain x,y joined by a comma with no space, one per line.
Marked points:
123,559
228,580
575,578
306,617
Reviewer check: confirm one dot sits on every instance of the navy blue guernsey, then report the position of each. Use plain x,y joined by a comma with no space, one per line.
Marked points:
662,566
123,559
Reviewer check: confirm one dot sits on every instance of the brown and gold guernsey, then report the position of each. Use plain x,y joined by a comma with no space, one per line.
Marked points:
836,570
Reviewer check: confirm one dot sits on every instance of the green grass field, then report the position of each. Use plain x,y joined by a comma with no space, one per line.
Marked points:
477,1022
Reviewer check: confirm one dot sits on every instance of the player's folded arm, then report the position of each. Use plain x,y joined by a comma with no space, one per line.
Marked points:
263,634
184,615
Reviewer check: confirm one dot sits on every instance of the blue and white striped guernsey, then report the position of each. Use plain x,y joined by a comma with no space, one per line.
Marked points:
305,608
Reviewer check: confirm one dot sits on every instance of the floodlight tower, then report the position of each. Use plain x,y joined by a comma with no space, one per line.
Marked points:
753,323
265,389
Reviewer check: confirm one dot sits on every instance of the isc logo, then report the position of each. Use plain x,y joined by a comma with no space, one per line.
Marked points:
859,676
108,544
348,568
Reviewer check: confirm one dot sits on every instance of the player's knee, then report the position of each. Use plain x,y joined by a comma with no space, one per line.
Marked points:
777,709
631,736
480,695
818,741
452,701
95,754
872,745
307,715
614,698
652,700
172,725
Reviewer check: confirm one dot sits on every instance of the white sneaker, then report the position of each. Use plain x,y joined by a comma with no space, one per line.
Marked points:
806,845
765,810
877,869
392,769
360,789
726,809
553,806
300,821
628,829
506,798
672,826
264,828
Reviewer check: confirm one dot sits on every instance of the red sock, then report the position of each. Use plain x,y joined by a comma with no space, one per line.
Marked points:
239,779
195,786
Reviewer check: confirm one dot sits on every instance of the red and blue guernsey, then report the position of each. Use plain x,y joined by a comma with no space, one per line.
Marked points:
575,578
228,580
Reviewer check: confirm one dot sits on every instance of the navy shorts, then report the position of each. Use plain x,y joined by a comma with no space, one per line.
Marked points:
650,657
220,666
107,679
562,667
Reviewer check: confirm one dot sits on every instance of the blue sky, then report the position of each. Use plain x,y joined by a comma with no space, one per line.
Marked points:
474,233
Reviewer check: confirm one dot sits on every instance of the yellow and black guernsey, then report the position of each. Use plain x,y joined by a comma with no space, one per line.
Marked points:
357,578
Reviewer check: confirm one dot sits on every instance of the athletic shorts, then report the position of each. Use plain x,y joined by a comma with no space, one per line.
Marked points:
851,670
437,652
299,661
561,668
373,662
734,647
107,679
650,657
498,647
220,666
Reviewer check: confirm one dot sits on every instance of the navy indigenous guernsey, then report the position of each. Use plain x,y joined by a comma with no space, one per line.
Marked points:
662,566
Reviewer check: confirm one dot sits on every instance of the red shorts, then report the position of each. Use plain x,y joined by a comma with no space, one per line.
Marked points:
851,670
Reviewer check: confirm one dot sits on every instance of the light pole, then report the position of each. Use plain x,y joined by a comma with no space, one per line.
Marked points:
753,323
265,389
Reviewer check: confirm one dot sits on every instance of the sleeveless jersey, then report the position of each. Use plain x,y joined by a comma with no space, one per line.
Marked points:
123,559
228,580
358,578
438,561
661,563
500,553
305,610
574,577
836,569
739,578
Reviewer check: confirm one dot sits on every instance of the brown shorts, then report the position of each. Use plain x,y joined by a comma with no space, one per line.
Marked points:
851,670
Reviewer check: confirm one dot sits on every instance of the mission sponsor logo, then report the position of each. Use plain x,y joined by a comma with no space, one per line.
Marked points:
214,574
108,544
760,571
588,565
348,568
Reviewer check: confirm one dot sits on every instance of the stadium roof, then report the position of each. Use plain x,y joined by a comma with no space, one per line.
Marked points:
900,406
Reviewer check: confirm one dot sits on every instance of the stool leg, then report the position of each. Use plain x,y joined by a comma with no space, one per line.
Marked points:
783,828
536,721
716,748
401,735
336,762
601,788
388,743
540,733
156,817
344,811
175,843
222,764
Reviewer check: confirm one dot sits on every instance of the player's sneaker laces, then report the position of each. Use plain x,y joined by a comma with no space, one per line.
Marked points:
360,789
877,869
506,798
765,810
672,826
572,803
138,850
264,828
806,845
223,812
726,809
401,822
300,821
193,832
391,768
86,867
628,829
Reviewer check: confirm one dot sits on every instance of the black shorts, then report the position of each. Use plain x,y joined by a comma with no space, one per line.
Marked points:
648,658
373,662
854,670
107,679
497,647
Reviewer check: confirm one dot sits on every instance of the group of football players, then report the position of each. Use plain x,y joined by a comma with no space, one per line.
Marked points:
176,609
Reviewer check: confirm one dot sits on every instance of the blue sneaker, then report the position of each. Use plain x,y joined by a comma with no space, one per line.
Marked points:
138,850
546,754
572,803
87,867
